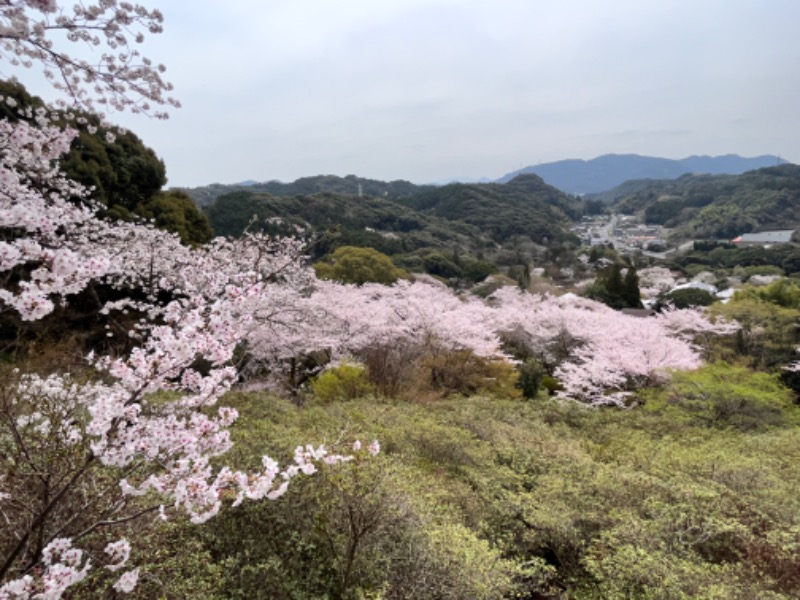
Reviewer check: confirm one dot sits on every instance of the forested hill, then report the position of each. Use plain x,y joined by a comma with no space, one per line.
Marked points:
718,206
351,184
479,220
526,206
375,222
610,170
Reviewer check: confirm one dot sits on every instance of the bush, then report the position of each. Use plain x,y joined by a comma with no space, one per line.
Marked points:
531,374
480,499
365,530
462,372
343,382
551,384
686,298
722,396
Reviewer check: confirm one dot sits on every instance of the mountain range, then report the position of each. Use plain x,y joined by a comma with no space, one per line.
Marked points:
576,176
699,197
573,176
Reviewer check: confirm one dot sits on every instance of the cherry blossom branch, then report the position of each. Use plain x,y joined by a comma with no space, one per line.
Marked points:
121,79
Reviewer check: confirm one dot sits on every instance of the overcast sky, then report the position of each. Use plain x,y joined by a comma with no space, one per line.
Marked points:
429,90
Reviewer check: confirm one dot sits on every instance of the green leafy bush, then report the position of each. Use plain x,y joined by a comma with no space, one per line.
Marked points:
721,395
531,375
343,382
686,298
349,264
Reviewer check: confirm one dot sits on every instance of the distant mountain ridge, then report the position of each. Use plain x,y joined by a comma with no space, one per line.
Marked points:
491,213
603,173
206,195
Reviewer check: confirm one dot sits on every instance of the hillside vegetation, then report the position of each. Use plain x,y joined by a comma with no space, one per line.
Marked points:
488,497
717,206
501,223
526,206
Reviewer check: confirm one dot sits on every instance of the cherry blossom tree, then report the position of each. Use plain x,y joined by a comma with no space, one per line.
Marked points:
83,453
160,447
343,320
656,280
57,38
601,355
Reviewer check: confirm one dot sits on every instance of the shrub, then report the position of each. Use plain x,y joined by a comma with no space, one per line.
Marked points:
360,531
721,395
531,374
551,384
462,372
686,298
343,382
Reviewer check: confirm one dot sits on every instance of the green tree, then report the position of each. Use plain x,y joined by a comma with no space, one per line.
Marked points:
531,374
441,266
175,211
124,173
350,264
611,289
477,270
686,298
630,289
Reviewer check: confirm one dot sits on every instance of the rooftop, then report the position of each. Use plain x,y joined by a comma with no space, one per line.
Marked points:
782,236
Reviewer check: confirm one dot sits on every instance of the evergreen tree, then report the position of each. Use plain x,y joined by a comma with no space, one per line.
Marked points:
630,292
